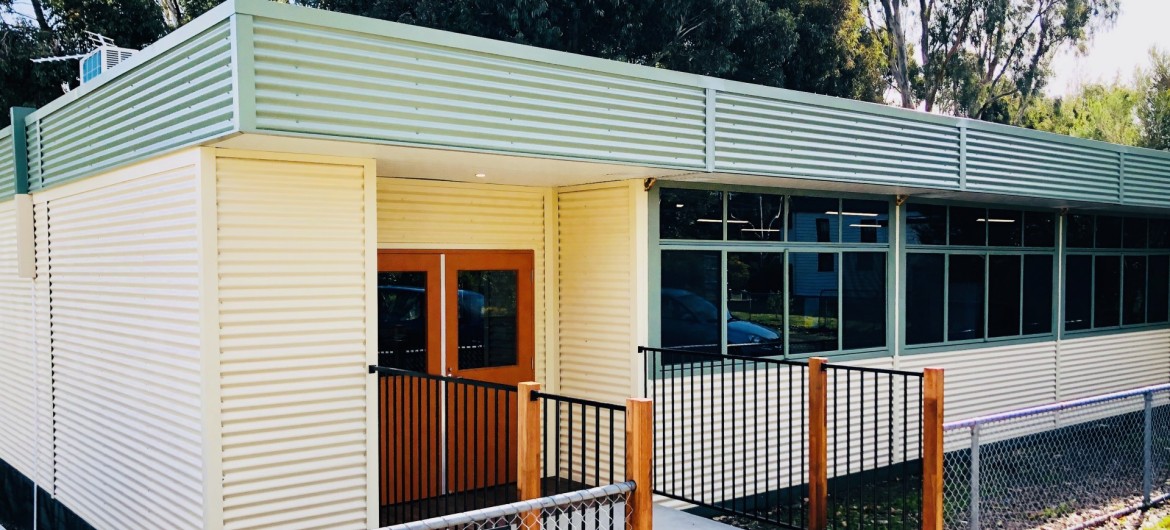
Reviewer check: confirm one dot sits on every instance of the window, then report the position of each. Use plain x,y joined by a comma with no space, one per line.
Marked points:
926,224
1004,295
1037,293
924,298
965,297
1117,277
803,274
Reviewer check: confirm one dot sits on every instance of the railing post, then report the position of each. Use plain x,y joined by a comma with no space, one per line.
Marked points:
639,455
528,449
1148,450
818,444
932,449
974,501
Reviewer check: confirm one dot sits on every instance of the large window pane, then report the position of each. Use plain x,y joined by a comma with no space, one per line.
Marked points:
812,304
1078,293
691,285
1134,235
1159,233
1159,288
926,224
402,320
755,299
813,219
1080,231
690,214
865,221
1004,228
863,300
1003,296
965,298
924,298
755,217
1037,291
1133,303
1107,291
1108,232
488,324
1039,229
968,226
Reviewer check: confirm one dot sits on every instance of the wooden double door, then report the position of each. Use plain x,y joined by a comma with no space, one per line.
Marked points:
460,314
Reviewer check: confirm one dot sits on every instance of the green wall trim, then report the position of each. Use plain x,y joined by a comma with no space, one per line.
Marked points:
20,148
243,72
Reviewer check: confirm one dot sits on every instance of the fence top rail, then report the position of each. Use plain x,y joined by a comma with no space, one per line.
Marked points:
386,370
1053,407
888,371
536,394
720,356
561,500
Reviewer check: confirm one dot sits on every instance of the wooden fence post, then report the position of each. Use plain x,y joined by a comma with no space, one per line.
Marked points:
528,449
818,444
639,455
932,449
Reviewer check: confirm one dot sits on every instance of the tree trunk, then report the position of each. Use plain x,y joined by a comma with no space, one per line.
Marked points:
899,69
39,11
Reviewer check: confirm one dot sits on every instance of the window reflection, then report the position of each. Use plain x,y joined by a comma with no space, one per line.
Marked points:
926,224
1159,289
813,219
1107,291
1080,231
691,284
968,226
755,217
402,320
965,297
755,302
812,303
924,298
863,300
1078,287
1003,296
865,221
690,214
488,322
1004,228
1037,290
1133,305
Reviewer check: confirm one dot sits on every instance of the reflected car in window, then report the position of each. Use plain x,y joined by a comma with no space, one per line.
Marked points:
691,322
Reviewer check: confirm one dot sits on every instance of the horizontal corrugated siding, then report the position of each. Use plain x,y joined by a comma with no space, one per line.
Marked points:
334,83
796,139
178,98
1147,178
999,162
450,215
42,305
596,304
1099,365
18,403
7,167
126,358
292,305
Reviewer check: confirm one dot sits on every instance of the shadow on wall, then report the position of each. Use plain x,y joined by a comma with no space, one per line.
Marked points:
16,505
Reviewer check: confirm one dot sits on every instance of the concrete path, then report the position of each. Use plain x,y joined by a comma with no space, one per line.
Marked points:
671,519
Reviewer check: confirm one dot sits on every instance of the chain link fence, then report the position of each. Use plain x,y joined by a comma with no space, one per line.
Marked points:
601,508
1072,464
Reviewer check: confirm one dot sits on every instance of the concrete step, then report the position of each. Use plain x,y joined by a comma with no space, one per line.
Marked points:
672,519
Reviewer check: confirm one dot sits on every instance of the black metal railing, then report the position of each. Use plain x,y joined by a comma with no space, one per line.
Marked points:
874,447
582,443
731,433
446,445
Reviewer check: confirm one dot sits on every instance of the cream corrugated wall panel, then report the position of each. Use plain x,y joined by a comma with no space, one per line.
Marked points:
18,405
1133,360
596,311
292,306
43,348
450,215
126,358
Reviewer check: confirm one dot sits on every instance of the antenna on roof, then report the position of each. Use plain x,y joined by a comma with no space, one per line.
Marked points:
104,56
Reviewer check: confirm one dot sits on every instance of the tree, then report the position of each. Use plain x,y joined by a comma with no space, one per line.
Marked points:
1154,108
1104,112
983,59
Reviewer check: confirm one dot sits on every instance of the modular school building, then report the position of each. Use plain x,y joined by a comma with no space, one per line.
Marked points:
203,249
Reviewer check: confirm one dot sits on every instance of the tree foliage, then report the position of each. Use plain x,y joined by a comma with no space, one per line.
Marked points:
1154,108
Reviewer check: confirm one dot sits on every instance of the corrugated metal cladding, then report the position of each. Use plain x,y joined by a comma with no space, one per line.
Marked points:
292,306
450,215
326,81
1133,360
7,169
178,98
43,349
1147,178
125,352
18,367
1000,162
596,305
797,139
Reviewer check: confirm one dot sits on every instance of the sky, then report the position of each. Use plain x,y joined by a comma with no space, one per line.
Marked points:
1118,50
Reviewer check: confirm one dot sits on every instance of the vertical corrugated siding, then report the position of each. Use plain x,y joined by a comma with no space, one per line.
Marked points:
125,344
431,214
795,139
596,306
1147,178
292,273
1099,365
7,167
178,98
999,162
330,82
18,406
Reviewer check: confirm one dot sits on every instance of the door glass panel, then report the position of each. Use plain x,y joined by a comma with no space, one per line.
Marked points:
488,325
402,320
